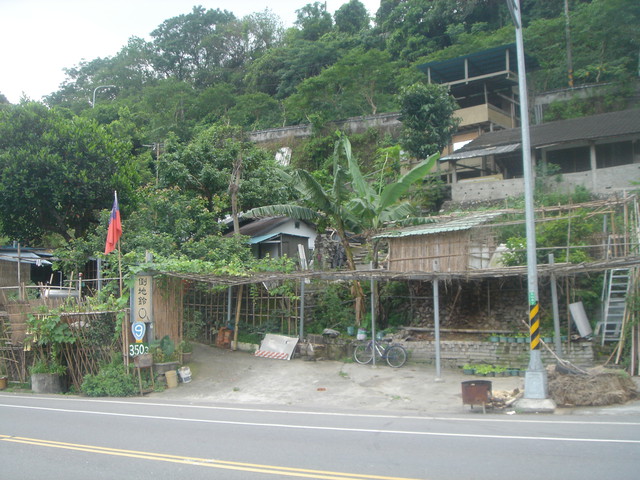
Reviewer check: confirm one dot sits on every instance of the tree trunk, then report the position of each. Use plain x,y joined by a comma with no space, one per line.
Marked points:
356,288
234,187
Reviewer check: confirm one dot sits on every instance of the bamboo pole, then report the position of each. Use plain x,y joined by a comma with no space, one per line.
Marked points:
238,307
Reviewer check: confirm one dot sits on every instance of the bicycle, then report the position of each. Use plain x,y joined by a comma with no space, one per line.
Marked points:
395,355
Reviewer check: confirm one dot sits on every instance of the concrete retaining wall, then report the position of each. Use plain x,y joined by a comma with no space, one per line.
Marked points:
455,354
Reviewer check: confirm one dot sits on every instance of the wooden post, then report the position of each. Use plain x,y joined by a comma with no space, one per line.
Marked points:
235,328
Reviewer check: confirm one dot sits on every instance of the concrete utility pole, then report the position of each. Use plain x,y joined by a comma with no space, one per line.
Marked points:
535,382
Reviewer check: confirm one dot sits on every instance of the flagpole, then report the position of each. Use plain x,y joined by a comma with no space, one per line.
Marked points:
119,268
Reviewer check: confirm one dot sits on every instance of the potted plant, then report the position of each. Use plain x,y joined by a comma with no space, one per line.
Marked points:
500,371
4,377
468,369
484,370
165,356
185,349
46,375
47,335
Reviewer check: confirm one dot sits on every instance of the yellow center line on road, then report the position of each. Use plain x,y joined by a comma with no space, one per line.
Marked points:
199,462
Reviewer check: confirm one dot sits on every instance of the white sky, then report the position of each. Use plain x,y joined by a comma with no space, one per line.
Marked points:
38,38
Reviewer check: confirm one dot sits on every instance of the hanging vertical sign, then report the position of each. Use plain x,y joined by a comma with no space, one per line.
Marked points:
141,298
141,313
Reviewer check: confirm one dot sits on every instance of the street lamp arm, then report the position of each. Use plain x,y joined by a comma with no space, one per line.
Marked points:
93,104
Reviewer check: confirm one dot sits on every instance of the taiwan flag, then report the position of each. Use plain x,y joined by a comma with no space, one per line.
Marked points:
115,227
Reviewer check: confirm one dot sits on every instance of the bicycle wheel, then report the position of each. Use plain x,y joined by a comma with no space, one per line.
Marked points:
363,353
396,356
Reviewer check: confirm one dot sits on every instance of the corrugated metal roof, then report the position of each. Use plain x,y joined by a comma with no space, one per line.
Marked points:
480,63
594,127
262,238
481,152
457,224
269,236
25,257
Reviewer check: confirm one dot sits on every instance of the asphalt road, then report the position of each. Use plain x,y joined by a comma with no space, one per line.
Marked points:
73,438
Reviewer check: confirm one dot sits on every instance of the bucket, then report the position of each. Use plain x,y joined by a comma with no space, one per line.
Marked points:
172,378
185,374
3,383
362,334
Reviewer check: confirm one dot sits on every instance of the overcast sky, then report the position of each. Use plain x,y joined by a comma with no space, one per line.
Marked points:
38,38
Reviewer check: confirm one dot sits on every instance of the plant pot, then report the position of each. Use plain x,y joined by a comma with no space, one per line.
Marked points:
164,367
185,357
504,339
3,382
46,383
494,338
520,340
468,371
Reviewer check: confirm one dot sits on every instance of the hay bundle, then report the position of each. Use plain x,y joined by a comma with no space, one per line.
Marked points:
591,390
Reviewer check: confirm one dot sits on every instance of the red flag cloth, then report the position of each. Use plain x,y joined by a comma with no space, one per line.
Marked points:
115,227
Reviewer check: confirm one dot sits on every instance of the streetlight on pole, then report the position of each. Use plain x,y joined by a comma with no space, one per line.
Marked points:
535,381
93,104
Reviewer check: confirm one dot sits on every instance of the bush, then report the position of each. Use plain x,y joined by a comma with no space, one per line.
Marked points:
112,380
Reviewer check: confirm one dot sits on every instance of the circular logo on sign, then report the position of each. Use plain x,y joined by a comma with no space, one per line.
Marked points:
138,329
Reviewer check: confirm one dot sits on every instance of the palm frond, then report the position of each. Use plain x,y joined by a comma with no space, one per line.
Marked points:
392,192
293,211
397,212
313,192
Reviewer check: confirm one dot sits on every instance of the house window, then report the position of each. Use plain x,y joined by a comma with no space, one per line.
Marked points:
614,154
571,160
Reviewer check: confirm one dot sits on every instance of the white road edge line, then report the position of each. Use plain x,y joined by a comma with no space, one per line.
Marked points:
336,429
330,414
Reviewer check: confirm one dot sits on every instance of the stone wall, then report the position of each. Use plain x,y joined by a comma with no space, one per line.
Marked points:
454,354
384,122
457,353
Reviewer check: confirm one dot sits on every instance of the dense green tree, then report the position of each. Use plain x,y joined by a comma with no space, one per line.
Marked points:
57,171
605,44
305,59
255,111
213,103
204,166
186,45
351,17
313,20
360,83
426,113
169,106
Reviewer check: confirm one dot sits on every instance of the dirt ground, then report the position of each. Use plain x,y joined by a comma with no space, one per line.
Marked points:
234,378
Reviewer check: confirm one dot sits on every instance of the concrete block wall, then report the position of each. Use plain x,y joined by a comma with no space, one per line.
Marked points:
457,353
